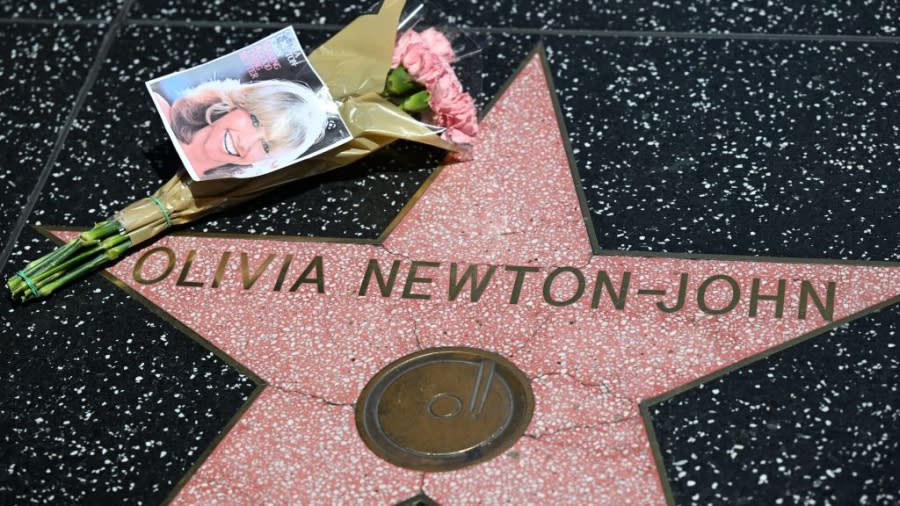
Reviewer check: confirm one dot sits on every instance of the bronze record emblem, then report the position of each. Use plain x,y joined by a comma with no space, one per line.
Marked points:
444,408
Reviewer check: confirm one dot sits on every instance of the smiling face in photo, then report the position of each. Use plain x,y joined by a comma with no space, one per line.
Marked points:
236,137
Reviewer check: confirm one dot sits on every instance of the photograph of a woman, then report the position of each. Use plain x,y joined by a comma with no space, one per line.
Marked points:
224,127
233,126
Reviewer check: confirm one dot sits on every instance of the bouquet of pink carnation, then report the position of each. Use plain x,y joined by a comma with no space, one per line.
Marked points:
422,80
401,88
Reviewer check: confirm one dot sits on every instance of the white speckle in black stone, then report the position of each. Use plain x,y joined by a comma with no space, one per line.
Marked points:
101,400
815,424
736,147
61,9
33,106
853,17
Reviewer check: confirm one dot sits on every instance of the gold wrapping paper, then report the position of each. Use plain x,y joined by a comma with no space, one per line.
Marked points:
354,64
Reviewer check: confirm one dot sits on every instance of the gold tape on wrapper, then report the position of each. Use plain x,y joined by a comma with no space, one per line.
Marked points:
354,64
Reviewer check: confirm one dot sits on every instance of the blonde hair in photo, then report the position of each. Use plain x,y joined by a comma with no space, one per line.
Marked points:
289,113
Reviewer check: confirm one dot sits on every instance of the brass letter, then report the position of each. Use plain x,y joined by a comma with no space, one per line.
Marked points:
735,294
618,299
682,294
285,265
319,280
182,278
220,270
471,274
374,269
520,279
807,291
755,297
411,279
249,280
138,276
575,296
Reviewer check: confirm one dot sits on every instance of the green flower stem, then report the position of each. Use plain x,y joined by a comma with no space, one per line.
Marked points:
100,231
399,83
62,254
72,262
91,249
69,256
74,274
51,258
417,102
115,246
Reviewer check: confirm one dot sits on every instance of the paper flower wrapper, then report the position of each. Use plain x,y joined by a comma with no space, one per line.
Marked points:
354,65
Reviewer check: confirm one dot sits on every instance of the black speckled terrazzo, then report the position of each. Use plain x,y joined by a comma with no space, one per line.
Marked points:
816,423
855,17
33,106
737,147
62,10
775,146
101,400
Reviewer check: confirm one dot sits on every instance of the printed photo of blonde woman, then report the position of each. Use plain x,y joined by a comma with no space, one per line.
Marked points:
227,128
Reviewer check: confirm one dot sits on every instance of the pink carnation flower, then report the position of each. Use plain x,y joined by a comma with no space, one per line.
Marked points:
454,109
438,43
427,57
418,58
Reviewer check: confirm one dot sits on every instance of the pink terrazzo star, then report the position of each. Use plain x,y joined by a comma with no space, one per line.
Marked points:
591,362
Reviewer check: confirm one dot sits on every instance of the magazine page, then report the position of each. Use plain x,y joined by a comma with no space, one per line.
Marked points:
249,112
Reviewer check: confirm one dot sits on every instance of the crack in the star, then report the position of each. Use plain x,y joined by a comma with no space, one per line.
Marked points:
572,377
581,266
590,427
542,322
590,256
324,400
601,385
415,326
396,253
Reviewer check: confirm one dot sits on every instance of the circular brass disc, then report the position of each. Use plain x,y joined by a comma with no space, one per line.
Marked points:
444,408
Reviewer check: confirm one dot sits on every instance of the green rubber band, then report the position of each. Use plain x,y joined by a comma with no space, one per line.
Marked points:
162,208
29,282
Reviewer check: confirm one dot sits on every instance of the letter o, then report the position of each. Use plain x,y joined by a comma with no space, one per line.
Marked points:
548,283
735,295
137,275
